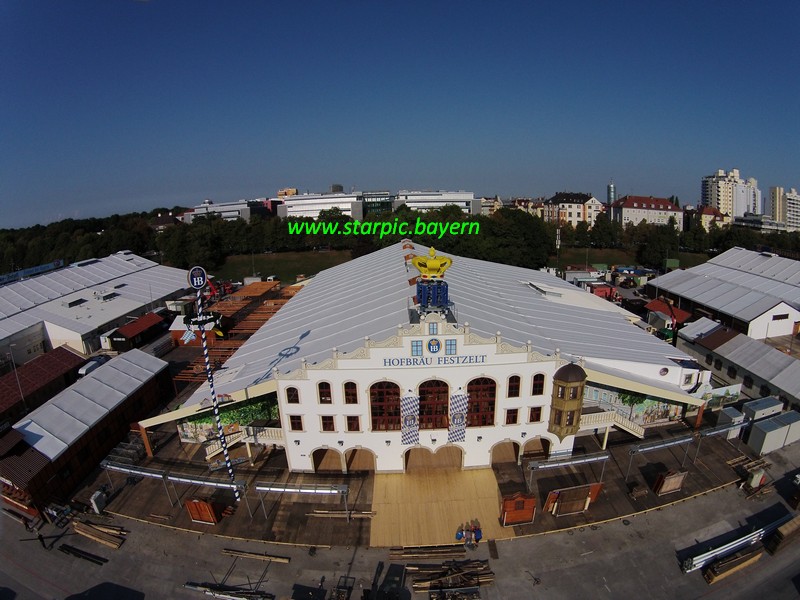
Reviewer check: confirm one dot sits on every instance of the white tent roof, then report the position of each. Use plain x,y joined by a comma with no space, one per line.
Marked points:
371,295
57,424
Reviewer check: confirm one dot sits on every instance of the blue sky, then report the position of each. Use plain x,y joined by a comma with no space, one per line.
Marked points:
115,106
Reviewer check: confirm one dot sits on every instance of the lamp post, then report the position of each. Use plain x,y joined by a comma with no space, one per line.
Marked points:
16,376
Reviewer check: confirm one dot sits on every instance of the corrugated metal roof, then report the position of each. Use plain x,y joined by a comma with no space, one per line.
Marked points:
54,426
370,296
133,280
765,362
717,337
20,468
740,283
8,440
36,374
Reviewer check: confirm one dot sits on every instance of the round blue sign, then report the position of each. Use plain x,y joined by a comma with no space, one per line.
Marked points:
198,278
434,346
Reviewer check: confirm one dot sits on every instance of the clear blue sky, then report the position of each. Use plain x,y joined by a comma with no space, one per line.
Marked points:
114,106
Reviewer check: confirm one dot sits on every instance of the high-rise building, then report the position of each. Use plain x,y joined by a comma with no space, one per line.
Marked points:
730,194
776,205
611,193
792,210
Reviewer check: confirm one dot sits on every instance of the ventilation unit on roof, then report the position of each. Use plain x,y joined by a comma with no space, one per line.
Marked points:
86,263
120,285
544,291
73,303
108,296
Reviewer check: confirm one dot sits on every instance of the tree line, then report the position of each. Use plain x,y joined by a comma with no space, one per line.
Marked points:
508,236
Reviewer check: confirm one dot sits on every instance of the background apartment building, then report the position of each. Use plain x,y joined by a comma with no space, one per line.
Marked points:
784,207
572,208
731,194
635,209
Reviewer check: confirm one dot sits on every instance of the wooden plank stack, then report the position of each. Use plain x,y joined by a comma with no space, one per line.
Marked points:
783,536
445,551
108,535
729,565
451,574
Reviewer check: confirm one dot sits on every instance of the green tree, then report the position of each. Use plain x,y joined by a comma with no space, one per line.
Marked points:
582,235
631,399
603,234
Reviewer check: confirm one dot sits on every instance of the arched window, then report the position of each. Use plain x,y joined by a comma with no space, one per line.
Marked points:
350,392
480,409
324,392
434,401
513,386
384,402
537,389
292,395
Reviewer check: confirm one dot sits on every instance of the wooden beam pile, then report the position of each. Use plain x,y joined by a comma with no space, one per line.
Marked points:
452,574
446,551
783,536
729,565
256,555
108,535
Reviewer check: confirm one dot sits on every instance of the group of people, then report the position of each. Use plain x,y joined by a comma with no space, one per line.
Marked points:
470,533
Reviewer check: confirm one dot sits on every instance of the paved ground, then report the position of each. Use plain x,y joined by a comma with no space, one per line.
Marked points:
632,558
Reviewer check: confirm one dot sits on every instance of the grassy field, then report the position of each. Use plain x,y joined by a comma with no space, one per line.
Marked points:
286,265
612,256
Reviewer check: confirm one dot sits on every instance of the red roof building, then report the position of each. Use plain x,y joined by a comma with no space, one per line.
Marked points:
137,332
39,380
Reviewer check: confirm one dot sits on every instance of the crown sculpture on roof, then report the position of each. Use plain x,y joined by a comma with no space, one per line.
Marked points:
431,267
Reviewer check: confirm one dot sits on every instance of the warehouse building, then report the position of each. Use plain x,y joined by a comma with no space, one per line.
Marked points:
755,293
733,358
383,362
76,305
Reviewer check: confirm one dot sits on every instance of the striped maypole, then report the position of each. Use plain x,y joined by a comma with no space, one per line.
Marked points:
220,430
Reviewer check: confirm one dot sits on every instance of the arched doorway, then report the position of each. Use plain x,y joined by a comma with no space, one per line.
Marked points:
505,452
536,449
327,460
447,457
359,459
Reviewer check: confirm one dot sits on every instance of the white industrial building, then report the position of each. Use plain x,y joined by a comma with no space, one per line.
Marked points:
229,211
512,358
358,204
429,200
755,293
76,304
